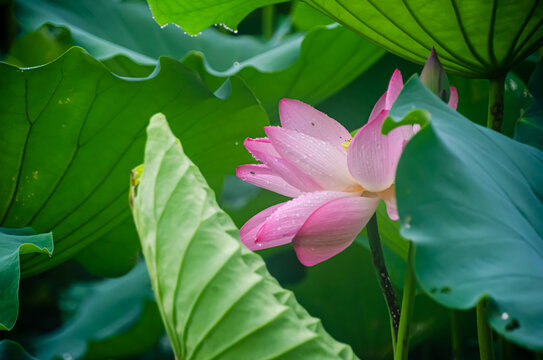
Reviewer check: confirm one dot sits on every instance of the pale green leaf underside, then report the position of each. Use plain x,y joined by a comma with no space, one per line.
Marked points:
216,297
195,16
472,38
109,28
14,242
71,131
471,199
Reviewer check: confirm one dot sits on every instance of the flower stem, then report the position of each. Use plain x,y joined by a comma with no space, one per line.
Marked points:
408,302
496,103
495,119
393,335
484,333
268,13
382,274
456,337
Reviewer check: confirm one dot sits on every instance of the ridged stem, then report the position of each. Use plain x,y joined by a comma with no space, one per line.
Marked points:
408,302
268,14
382,275
496,103
456,337
484,332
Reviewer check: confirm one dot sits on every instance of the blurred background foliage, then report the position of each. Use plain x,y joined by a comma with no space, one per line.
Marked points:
70,312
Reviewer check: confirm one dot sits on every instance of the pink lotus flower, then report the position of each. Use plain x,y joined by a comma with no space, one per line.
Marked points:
335,191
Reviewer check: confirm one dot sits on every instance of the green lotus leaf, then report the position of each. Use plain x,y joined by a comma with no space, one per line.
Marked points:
307,66
216,297
471,200
15,242
71,131
195,16
472,38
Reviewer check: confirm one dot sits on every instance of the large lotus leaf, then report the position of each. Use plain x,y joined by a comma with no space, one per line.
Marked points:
216,298
195,16
71,131
307,66
114,253
472,38
304,17
115,318
10,350
530,128
40,46
318,72
471,199
14,242
106,28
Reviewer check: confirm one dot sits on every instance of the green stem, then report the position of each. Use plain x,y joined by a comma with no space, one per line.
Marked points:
456,337
484,333
495,103
505,348
8,26
393,335
268,13
408,302
382,274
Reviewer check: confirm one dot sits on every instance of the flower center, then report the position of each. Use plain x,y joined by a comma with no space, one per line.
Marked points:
354,188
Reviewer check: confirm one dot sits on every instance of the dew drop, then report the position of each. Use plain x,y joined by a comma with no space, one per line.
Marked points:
236,64
408,222
505,316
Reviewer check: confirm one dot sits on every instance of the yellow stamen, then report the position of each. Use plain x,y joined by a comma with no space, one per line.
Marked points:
346,144
355,188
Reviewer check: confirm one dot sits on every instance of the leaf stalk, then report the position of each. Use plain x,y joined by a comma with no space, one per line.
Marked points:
496,103
408,302
268,14
484,332
382,275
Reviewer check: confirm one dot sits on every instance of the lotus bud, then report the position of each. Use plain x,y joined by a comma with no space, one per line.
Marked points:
434,77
